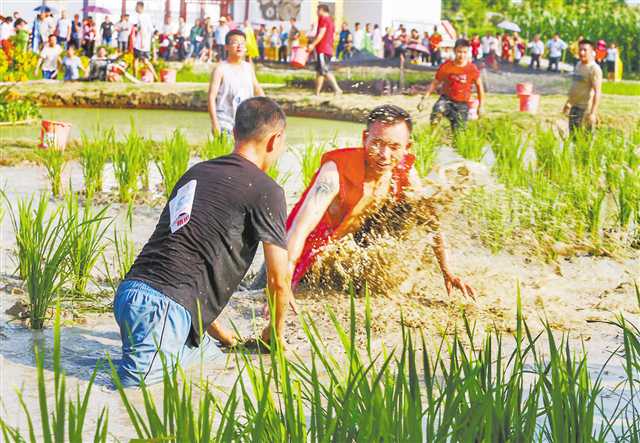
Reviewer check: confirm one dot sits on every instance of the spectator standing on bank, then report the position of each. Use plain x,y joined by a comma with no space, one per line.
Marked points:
49,59
106,32
342,40
197,37
294,34
220,38
586,89
63,30
601,53
142,40
519,48
261,36
425,56
612,59
556,47
376,38
434,47
358,38
323,45
37,38
182,37
274,44
6,32
507,46
284,41
72,65
76,32
89,32
387,42
536,48
476,47
123,29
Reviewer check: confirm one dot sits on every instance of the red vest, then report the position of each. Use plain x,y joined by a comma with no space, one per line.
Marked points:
351,169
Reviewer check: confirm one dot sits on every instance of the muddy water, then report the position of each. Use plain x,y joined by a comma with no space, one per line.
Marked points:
573,295
158,124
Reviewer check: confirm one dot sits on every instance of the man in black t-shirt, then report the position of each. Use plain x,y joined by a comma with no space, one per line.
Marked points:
202,247
106,29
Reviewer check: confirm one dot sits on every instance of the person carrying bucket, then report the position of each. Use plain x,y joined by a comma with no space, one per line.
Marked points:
232,82
348,184
323,45
456,77
586,89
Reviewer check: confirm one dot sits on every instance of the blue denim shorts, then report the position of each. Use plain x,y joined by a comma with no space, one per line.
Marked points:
151,323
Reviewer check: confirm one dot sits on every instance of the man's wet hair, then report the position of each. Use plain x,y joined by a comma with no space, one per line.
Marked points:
461,43
256,117
233,32
389,115
584,41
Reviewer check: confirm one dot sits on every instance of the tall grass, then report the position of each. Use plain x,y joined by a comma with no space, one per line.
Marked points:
53,160
310,157
216,146
43,242
470,142
86,236
130,162
458,391
172,160
123,258
94,154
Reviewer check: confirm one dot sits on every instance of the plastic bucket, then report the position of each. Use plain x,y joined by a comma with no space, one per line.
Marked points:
146,76
168,75
524,88
299,57
54,135
529,103
473,109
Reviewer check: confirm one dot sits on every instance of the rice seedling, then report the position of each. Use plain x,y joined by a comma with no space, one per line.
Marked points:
53,160
426,140
43,245
123,258
86,237
470,142
278,176
94,154
66,421
310,157
172,160
509,147
130,162
216,146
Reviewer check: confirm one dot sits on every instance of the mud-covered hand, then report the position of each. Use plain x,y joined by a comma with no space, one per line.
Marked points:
421,103
452,282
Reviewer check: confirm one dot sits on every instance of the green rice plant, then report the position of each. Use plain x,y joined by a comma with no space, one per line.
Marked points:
470,142
94,154
123,258
54,161
310,157
86,235
65,421
278,176
172,160
130,161
426,140
216,146
43,244
509,147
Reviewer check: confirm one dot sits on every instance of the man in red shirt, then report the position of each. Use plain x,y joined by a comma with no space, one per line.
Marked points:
323,45
456,78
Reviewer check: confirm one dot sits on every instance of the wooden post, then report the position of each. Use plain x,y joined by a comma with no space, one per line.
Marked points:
183,9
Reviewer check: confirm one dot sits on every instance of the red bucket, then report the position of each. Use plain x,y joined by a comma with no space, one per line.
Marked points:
524,88
168,75
54,135
299,57
529,103
146,76
473,109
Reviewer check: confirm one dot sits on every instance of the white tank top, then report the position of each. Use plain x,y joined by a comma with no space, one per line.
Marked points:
236,87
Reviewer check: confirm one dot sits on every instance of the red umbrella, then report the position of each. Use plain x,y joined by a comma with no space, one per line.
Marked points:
96,10
418,47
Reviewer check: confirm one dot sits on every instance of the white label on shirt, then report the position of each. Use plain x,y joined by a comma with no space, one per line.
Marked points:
180,206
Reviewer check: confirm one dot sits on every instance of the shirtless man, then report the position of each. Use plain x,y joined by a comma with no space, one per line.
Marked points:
348,183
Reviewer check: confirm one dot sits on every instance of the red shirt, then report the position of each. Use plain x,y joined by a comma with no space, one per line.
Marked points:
326,44
458,80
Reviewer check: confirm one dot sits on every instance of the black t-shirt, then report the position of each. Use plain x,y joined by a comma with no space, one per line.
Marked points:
218,211
107,29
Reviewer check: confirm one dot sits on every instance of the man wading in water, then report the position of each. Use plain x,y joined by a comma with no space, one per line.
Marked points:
351,181
457,77
202,247
233,81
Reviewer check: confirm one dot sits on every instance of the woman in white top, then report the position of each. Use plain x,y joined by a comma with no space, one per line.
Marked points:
233,81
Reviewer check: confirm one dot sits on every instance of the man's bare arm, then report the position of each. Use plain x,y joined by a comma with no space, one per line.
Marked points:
316,203
318,39
450,280
214,86
597,95
279,284
480,89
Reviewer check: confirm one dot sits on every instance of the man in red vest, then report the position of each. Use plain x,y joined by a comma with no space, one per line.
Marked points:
349,182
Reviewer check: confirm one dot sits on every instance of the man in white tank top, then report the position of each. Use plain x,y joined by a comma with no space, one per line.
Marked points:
233,81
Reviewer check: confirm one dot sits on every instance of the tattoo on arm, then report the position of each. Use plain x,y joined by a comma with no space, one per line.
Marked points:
324,188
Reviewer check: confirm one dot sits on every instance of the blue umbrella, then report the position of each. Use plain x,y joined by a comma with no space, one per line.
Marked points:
44,8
